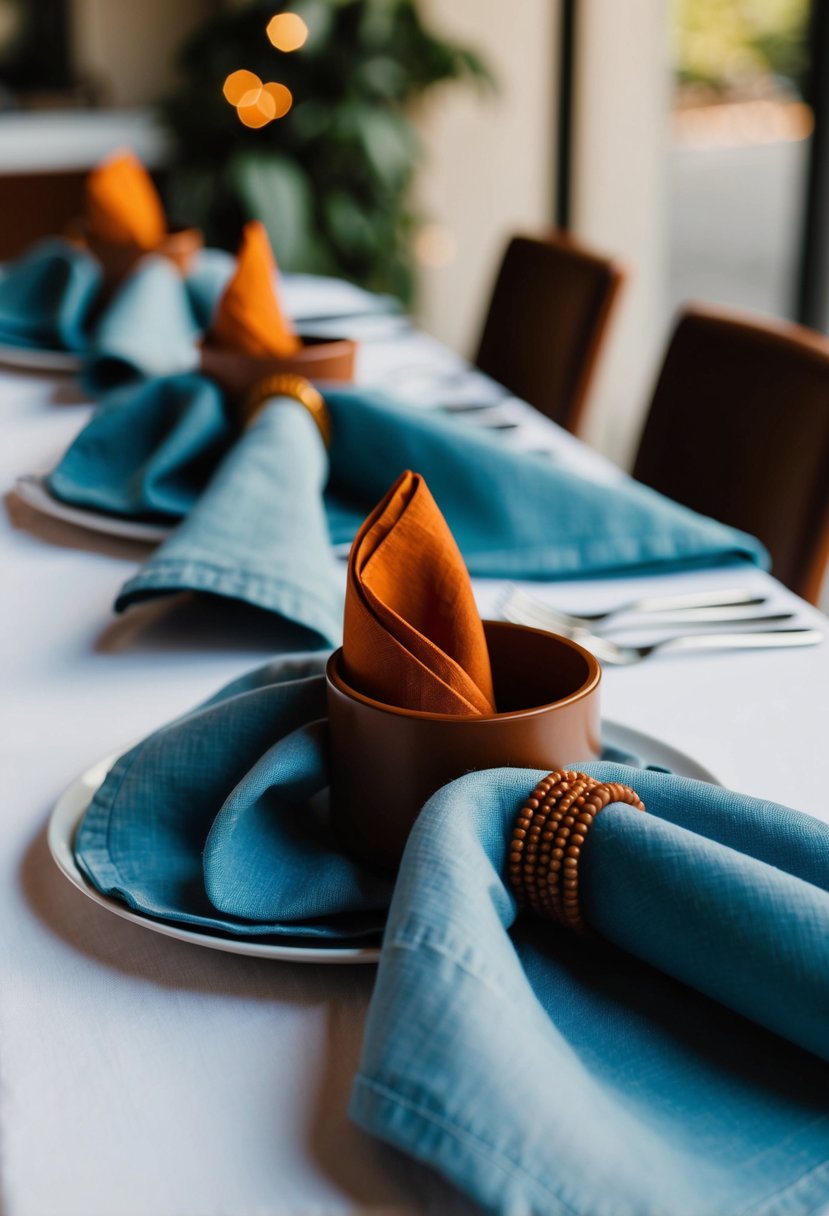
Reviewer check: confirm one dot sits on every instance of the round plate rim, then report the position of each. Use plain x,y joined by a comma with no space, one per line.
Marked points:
36,359
74,800
32,489
60,832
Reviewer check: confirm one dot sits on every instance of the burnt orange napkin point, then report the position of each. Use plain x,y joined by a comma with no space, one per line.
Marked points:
410,694
123,205
412,635
250,318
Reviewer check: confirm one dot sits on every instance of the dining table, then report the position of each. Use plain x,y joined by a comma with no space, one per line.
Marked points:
144,1075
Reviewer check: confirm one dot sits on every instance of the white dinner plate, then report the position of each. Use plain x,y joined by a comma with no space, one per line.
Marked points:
73,802
32,489
30,359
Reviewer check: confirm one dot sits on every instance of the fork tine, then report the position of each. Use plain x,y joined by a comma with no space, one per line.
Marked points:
526,609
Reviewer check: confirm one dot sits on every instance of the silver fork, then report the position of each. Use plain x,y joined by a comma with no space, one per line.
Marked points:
733,605
624,656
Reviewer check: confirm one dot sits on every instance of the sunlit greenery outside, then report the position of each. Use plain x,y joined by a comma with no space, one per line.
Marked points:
737,49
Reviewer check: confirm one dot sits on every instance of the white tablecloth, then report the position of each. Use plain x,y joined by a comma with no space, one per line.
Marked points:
146,1077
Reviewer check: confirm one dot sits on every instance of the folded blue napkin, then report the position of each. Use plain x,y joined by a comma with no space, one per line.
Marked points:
674,1064
148,329
267,759
47,296
258,533
151,326
206,281
513,514
181,434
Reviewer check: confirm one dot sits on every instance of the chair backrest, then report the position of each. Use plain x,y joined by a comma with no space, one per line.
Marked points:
738,429
547,319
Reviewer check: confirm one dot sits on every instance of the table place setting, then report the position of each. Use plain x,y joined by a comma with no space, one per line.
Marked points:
128,294
263,474
66,286
674,1006
512,513
583,975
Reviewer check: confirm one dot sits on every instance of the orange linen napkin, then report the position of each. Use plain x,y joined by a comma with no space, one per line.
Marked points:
413,637
123,205
249,317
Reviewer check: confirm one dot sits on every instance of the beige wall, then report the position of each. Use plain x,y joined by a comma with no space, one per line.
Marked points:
620,205
490,161
128,45
490,171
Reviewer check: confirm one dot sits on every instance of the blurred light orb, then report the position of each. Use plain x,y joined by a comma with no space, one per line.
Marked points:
256,108
435,246
287,31
282,96
238,84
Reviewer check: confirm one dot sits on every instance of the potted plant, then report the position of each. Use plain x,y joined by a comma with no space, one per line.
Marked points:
331,178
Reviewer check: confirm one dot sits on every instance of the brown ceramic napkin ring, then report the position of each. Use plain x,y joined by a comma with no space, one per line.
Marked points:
322,359
548,839
287,385
386,762
180,246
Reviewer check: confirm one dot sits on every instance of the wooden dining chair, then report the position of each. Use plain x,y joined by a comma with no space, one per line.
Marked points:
738,429
547,320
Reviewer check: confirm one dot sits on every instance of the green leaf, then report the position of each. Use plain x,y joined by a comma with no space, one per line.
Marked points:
276,191
332,179
389,143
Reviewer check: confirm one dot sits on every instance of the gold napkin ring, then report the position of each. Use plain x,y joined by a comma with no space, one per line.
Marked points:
548,838
286,384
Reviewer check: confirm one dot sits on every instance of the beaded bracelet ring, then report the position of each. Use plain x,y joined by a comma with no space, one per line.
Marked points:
286,384
548,838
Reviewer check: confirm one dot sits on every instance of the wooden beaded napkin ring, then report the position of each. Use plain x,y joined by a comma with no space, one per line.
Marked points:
286,384
548,837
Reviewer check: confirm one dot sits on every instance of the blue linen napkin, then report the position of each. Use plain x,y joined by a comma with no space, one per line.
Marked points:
513,514
541,1073
151,326
148,329
47,296
146,448
547,1074
248,762
206,281
264,737
258,533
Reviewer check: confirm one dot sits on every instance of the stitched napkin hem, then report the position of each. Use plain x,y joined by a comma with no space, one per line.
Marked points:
424,1134
266,592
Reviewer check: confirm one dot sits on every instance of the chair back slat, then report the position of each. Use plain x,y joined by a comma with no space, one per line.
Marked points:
547,320
738,429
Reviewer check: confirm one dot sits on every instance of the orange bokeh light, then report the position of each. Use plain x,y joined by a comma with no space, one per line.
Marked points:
282,96
238,84
256,108
287,31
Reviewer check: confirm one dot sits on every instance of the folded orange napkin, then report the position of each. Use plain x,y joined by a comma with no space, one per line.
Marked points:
412,636
122,203
249,317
